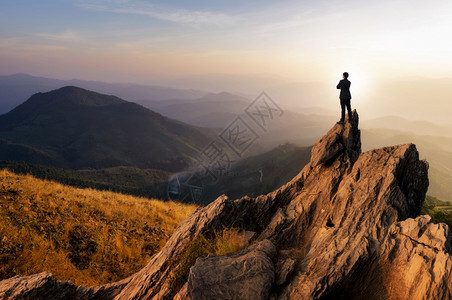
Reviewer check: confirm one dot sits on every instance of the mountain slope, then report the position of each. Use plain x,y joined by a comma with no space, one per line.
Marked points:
348,226
259,174
75,128
16,88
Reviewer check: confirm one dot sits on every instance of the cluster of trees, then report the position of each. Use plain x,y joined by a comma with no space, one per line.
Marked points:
148,183
440,211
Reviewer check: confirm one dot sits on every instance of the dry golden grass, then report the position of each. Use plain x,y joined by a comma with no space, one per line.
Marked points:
229,241
226,241
83,235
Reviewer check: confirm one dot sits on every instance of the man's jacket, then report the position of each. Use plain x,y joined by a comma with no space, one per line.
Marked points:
344,86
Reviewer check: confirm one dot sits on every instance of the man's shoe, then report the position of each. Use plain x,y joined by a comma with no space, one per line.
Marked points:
340,122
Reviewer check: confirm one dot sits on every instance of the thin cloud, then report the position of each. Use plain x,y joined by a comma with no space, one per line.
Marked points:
65,36
180,16
22,46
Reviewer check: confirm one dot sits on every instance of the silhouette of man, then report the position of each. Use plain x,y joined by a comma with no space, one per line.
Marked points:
345,97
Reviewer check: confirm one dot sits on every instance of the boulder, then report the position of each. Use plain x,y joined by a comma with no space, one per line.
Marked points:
246,274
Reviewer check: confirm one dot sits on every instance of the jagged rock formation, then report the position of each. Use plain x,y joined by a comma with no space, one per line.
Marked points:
346,227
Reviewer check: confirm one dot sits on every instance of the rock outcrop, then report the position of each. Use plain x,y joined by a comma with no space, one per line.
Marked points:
348,226
246,274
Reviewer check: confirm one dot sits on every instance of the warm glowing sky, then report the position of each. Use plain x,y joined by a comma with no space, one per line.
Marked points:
132,40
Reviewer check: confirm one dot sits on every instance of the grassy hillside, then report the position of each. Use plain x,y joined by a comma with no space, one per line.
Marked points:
84,235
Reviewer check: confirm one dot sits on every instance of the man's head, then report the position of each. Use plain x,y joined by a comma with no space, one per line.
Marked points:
345,75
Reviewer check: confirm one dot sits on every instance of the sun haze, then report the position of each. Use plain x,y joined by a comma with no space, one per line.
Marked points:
231,45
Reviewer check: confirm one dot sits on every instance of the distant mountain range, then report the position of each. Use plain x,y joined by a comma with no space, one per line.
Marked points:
213,110
220,109
16,88
418,127
435,149
76,128
73,128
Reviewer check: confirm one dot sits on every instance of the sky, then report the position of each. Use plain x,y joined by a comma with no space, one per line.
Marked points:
288,41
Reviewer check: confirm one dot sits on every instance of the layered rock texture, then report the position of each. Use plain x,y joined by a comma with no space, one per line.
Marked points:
346,227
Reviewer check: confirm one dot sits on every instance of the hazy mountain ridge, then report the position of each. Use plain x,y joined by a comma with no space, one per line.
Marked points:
214,110
219,110
75,128
17,88
418,127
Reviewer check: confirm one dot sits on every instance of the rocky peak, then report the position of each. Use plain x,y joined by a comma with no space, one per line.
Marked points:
342,140
346,227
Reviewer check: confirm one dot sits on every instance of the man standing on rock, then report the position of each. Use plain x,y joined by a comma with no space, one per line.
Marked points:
345,96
